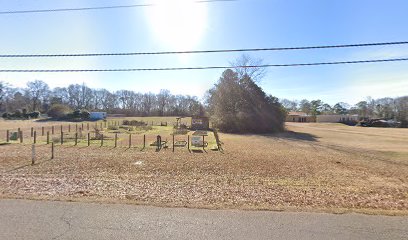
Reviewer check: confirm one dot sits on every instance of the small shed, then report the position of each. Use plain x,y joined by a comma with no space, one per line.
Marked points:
200,123
97,115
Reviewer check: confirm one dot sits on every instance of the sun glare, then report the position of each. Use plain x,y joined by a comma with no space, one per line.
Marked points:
179,24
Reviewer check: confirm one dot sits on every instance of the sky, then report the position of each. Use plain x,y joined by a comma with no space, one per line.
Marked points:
180,25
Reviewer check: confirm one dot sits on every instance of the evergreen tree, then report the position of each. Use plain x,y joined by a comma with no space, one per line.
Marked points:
240,105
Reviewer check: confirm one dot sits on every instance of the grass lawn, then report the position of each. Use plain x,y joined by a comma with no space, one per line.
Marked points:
311,167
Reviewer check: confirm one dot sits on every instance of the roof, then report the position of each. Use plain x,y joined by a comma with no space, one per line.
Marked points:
339,115
297,114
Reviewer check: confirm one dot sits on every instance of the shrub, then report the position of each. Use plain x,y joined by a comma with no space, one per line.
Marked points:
6,115
17,114
85,114
113,128
58,111
34,114
137,123
76,114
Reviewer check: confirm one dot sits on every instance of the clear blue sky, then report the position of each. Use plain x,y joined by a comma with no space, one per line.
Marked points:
186,26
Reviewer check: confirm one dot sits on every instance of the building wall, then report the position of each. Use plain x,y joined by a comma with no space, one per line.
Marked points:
336,118
296,118
97,115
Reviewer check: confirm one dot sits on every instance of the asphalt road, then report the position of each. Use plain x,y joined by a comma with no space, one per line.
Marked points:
22,219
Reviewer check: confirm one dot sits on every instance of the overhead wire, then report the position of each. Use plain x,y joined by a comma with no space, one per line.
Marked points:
204,68
99,8
202,51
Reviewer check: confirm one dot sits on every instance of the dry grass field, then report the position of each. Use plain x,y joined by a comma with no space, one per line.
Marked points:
311,167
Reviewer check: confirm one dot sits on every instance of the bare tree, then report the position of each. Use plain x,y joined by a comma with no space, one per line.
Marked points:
248,66
37,91
162,100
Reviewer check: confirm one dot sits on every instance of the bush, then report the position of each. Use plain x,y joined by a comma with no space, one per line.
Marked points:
136,123
17,114
58,111
85,114
76,114
113,128
6,115
34,114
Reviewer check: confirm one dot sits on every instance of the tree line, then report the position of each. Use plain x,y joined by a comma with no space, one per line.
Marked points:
385,108
38,96
235,104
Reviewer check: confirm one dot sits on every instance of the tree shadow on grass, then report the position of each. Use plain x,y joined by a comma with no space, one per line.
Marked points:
293,136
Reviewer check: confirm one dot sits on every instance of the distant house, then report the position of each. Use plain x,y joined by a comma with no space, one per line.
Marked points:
97,115
337,118
200,123
299,117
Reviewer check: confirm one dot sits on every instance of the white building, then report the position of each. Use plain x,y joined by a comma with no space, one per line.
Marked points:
336,118
97,115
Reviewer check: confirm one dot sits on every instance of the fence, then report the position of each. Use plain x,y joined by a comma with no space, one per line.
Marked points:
97,134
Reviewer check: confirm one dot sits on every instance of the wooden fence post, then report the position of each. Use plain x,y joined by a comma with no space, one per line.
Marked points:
61,129
82,126
52,150
116,139
76,138
62,138
52,130
203,143
76,127
173,142
102,140
87,126
21,137
42,131
32,154
32,132
158,141
48,137
130,140
35,137
89,139
144,141
188,142
8,136
18,133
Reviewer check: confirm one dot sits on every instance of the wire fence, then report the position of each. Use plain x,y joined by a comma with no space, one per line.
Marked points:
111,134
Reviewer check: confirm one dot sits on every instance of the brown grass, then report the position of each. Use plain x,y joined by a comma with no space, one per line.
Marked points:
313,167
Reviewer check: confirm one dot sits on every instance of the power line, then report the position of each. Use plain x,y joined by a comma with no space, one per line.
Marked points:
99,8
201,51
204,68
